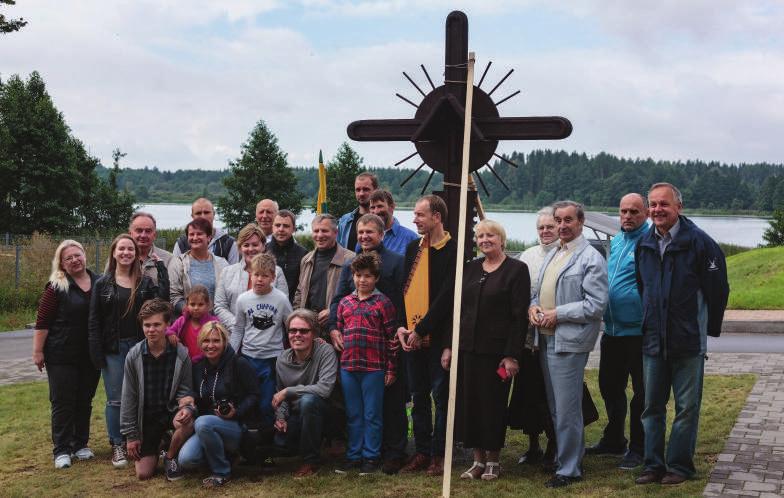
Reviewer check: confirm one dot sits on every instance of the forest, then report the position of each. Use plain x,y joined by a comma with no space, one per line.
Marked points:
541,177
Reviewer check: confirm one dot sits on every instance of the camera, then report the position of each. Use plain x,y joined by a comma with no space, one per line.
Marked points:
223,406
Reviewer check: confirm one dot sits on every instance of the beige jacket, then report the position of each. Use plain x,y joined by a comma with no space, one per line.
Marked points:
342,256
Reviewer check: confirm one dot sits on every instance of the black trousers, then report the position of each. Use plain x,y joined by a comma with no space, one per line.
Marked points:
395,420
71,391
621,357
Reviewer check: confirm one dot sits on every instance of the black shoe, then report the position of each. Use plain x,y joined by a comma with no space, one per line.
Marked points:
173,470
369,467
347,466
549,466
392,466
560,481
531,457
600,449
631,460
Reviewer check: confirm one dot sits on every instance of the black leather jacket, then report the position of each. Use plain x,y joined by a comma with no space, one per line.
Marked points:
105,311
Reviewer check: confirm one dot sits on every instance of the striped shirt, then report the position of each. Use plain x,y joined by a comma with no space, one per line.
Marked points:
368,328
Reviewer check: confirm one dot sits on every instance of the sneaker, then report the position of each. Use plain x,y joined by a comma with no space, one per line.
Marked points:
62,461
631,460
84,454
600,449
119,456
214,482
347,466
369,467
173,470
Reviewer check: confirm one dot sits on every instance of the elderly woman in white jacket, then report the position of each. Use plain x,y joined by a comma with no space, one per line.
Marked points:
235,280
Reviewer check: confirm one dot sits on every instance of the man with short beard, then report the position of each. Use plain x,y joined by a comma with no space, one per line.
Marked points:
143,231
288,253
396,236
364,185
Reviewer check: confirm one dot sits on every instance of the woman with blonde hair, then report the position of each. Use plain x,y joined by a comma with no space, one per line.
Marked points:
60,345
113,327
493,323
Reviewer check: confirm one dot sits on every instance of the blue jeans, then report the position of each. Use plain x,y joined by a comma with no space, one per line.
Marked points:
684,376
427,378
304,428
265,372
364,393
213,438
112,383
563,381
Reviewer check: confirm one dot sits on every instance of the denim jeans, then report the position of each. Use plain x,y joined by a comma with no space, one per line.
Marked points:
364,392
304,428
213,438
427,378
684,376
265,372
563,380
71,391
112,382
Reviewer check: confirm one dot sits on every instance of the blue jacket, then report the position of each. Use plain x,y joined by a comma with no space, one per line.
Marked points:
684,293
390,283
623,316
345,225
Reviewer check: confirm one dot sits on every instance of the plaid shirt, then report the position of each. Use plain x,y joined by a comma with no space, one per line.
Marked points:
158,374
368,328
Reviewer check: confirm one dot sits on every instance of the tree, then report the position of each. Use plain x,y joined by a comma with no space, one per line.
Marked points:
10,25
774,235
49,181
341,172
260,172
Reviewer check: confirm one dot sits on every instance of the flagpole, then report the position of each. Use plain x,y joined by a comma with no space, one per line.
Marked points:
450,417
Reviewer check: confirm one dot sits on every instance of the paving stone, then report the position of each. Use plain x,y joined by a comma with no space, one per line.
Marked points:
760,486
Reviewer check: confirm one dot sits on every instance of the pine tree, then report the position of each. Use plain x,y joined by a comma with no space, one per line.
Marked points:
260,172
341,172
774,235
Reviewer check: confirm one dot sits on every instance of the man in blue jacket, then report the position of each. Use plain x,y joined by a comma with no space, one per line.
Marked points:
682,279
621,346
364,184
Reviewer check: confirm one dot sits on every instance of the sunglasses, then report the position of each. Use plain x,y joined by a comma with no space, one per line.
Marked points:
293,331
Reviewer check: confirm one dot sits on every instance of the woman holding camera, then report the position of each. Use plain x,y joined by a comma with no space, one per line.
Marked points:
493,323
227,398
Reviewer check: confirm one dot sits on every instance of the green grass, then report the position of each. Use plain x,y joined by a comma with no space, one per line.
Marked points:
16,319
25,450
757,279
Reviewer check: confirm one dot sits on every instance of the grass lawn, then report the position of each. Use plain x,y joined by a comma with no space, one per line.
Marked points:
757,279
28,470
16,319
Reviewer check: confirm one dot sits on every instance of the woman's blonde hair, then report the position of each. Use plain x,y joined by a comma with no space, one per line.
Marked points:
249,231
58,278
492,227
210,327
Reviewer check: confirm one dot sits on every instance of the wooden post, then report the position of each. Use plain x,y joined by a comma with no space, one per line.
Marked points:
450,418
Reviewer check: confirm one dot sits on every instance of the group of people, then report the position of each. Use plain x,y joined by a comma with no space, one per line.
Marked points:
256,347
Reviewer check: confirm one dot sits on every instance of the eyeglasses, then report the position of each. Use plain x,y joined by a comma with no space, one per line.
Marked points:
299,331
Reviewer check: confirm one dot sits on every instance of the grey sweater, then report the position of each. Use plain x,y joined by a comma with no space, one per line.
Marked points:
315,376
132,399
258,323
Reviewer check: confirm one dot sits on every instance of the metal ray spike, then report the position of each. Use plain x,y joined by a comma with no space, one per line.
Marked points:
427,182
427,76
412,175
507,161
482,183
506,98
497,177
484,74
406,158
499,83
406,100
412,82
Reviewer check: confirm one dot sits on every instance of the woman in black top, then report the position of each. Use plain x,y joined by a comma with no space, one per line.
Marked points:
227,398
493,322
60,345
113,327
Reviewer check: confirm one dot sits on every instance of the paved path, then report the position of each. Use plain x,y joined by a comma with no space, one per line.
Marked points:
751,464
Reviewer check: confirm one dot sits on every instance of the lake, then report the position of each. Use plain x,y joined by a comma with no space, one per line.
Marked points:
740,230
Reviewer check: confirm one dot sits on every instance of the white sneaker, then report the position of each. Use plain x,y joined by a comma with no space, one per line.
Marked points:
84,454
119,456
62,461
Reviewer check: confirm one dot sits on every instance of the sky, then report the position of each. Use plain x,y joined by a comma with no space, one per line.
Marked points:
179,85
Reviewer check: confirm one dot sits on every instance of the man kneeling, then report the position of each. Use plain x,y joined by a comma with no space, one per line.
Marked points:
156,394
306,375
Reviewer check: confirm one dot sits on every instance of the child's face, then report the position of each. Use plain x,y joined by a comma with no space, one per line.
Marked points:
197,306
365,281
261,281
155,328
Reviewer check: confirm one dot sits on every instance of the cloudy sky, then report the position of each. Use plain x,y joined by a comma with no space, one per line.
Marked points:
179,84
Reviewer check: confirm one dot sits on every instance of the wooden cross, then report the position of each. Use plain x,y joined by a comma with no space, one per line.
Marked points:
437,127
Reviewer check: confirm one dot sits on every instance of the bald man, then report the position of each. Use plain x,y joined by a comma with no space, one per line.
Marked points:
266,211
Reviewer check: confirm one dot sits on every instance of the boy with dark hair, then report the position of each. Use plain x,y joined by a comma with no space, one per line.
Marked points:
156,394
366,321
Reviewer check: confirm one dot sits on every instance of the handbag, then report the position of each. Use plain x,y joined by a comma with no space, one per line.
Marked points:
590,413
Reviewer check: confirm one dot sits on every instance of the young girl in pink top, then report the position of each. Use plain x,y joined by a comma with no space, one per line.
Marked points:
197,312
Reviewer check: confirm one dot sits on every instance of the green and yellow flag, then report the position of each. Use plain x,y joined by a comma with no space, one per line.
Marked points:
321,202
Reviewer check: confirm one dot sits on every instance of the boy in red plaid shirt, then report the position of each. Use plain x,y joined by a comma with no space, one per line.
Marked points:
367,321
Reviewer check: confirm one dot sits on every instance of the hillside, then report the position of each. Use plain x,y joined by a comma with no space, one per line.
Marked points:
757,279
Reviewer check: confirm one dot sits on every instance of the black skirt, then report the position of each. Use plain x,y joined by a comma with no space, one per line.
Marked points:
481,415
528,405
